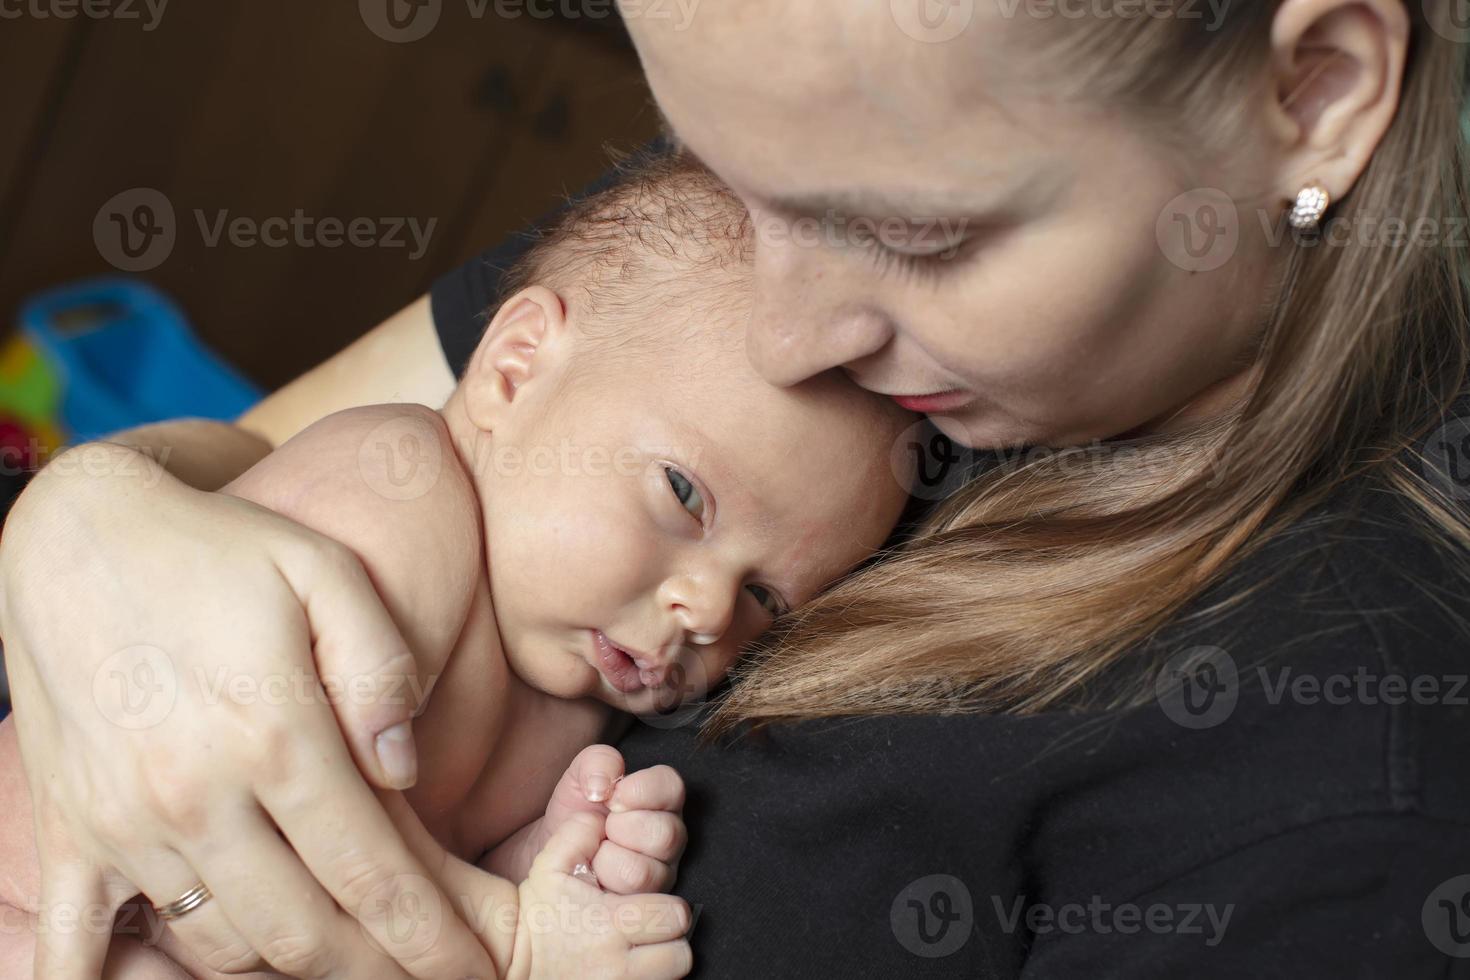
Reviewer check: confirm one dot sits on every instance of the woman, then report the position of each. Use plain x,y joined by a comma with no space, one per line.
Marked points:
1178,700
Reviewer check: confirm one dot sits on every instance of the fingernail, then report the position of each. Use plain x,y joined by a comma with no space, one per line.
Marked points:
397,756
597,787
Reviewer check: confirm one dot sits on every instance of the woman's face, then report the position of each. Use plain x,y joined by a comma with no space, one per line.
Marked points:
934,229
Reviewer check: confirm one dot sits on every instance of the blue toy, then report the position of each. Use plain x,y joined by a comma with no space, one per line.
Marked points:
126,356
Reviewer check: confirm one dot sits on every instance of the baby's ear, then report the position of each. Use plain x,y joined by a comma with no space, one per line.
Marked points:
522,343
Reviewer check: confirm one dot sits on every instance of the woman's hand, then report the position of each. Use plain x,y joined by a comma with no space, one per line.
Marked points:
160,646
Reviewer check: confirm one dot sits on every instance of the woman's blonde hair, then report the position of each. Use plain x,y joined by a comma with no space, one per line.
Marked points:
1032,580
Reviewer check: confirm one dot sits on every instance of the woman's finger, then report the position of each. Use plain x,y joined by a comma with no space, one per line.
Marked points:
625,872
282,911
339,830
205,931
659,834
359,648
654,788
74,921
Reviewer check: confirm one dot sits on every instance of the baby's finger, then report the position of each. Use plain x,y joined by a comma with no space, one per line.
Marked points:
647,919
656,833
575,842
625,872
661,961
655,788
594,772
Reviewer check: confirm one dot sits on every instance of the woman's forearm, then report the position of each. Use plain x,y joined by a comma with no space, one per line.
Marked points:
201,453
399,360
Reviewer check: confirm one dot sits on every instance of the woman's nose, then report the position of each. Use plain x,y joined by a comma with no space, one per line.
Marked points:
808,315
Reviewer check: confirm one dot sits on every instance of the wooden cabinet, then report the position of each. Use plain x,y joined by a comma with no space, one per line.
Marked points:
290,140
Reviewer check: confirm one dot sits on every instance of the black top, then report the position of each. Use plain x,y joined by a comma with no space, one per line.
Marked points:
1299,807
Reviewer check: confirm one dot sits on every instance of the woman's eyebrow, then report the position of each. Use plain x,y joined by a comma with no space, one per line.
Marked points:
998,197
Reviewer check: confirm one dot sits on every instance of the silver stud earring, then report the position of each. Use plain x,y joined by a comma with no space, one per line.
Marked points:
1312,202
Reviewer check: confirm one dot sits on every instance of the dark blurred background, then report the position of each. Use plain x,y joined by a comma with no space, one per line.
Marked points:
261,108
283,174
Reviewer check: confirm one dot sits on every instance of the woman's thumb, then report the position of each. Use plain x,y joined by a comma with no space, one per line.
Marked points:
364,665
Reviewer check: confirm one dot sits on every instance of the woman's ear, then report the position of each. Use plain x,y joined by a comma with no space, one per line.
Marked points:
523,341
1338,66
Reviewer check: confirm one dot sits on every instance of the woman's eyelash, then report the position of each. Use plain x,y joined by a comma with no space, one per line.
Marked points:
926,267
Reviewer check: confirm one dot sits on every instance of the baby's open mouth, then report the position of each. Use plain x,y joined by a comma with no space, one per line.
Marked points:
616,664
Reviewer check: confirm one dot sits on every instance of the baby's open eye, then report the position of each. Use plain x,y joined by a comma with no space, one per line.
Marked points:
768,600
685,493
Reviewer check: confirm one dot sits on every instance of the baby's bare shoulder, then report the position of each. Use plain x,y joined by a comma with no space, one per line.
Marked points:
385,481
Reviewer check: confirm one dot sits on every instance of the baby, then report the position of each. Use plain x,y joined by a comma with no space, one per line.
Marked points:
608,508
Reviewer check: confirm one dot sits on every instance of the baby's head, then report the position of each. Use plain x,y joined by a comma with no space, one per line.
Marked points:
650,504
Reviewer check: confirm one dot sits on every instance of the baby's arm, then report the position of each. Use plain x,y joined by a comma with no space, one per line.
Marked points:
385,481
554,923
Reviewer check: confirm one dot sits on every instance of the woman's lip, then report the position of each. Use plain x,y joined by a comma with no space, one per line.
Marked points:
941,401
619,669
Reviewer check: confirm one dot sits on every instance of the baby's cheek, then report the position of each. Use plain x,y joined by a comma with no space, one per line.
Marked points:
713,667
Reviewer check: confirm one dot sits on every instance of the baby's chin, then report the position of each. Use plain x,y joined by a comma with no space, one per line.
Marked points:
658,706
